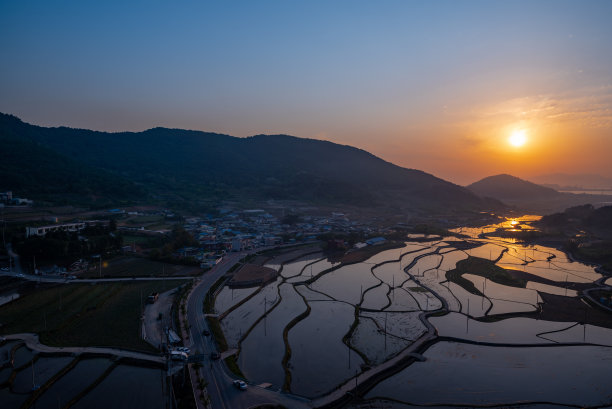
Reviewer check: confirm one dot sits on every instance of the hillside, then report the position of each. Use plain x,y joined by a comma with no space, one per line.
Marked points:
40,173
566,181
510,188
530,197
190,166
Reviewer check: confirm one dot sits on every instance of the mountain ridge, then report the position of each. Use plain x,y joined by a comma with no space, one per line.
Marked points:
529,196
195,165
507,187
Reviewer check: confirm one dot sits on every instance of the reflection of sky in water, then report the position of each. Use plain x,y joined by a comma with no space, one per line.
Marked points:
471,374
329,321
512,224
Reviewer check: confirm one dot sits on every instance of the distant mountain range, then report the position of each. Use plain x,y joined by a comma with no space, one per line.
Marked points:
565,181
529,196
192,168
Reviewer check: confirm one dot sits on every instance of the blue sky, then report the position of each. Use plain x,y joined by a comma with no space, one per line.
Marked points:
434,85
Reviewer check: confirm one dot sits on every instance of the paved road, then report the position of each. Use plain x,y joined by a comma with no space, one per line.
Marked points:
16,263
223,395
55,279
33,343
153,327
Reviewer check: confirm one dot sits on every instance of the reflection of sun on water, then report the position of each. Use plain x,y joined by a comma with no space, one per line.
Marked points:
518,138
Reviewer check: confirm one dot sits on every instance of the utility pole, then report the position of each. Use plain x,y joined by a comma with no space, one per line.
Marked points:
467,318
3,227
385,331
483,294
265,316
585,324
349,354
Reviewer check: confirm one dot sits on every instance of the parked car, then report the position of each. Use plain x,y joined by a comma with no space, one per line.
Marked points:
240,384
206,332
178,356
183,349
215,355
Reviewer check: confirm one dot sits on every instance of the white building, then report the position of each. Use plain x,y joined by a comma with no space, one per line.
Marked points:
70,227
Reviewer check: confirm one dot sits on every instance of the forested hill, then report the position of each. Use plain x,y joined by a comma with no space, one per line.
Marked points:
531,197
191,165
511,188
31,169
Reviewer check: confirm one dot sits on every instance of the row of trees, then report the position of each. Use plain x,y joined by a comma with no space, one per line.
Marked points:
65,247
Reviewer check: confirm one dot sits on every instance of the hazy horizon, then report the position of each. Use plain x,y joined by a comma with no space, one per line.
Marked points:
435,86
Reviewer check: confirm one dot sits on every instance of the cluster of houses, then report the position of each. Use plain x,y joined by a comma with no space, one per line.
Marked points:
231,231
254,228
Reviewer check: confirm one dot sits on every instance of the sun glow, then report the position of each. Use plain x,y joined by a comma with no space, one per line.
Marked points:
518,138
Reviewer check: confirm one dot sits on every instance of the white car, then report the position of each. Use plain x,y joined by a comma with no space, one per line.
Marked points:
240,384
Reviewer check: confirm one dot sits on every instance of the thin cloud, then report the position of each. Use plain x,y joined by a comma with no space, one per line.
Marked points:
591,107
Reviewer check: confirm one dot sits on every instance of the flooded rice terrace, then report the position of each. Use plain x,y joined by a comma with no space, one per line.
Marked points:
35,380
437,321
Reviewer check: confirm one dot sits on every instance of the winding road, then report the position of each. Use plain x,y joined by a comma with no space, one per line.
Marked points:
222,393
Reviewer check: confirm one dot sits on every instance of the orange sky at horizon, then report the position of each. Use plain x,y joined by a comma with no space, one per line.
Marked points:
436,86
464,151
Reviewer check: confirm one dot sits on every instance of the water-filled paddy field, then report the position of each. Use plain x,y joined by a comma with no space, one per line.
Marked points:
488,344
56,380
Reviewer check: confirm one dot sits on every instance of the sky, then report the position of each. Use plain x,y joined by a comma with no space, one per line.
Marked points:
433,85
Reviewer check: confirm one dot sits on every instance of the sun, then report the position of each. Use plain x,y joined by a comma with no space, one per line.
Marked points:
518,138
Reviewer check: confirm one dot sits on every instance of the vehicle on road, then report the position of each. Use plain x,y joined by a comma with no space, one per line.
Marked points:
178,356
4,269
206,333
240,384
183,349
215,355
